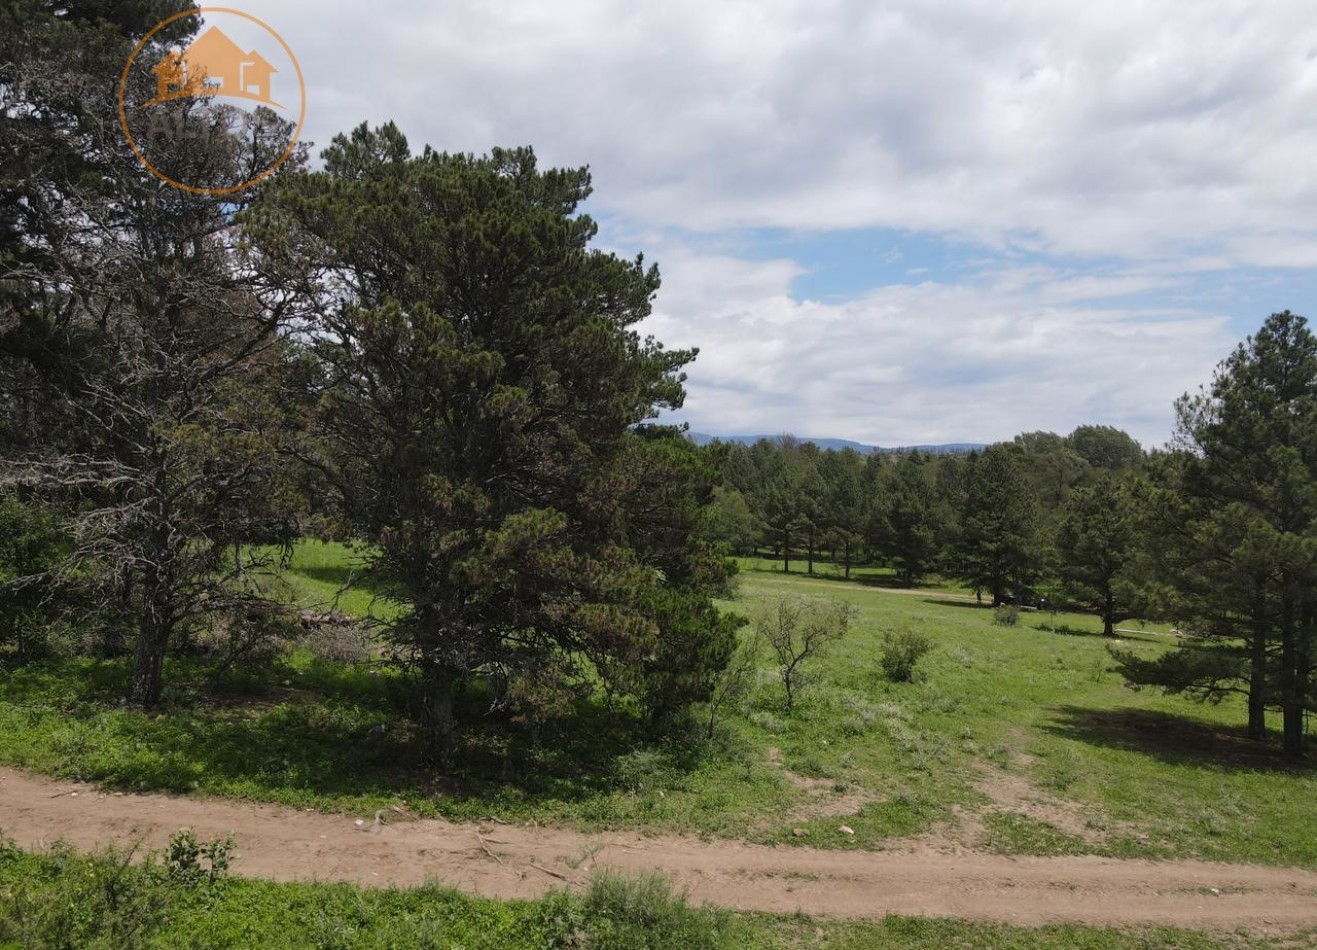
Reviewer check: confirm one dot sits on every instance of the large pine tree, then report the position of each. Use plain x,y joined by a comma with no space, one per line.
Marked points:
997,546
484,400
1238,517
139,354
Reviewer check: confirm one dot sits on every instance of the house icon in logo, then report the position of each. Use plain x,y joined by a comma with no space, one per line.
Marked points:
214,65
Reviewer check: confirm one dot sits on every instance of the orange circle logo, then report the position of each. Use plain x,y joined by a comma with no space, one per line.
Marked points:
230,65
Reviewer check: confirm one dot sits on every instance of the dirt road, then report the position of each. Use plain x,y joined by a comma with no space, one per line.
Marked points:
501,860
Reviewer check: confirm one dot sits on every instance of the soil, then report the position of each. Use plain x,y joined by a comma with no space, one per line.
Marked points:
503,860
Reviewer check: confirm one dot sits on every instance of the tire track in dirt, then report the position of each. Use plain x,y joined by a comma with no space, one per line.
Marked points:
502,860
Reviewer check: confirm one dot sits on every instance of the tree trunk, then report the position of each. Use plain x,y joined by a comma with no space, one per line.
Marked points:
1292,698
1257,676
438,724
1108,614
786,552
1303,673
152,641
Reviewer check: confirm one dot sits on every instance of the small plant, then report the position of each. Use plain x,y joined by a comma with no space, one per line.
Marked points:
1007,615
192,863
98,900
646,770
901,651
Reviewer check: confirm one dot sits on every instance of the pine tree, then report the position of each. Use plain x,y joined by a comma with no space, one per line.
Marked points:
139,353
907,531
1097,545
1239,522
997,544
483,406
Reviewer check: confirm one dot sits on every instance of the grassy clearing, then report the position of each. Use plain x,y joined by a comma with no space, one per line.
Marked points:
324,576
825,569
62,899
1015,738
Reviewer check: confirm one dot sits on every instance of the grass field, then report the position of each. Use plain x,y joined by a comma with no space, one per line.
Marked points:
1018,739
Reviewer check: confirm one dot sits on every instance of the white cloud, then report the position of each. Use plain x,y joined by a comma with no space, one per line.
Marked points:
1174,138
929,362
1114,128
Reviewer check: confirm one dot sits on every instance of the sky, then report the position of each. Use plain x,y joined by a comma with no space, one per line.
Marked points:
896,222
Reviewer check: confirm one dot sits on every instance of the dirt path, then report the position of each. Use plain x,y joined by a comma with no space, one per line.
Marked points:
512,861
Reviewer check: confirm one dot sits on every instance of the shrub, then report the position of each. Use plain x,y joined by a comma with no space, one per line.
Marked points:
31,545
1006,614
644,913
901,651
193,863
99,902
797,631
337,640
249,638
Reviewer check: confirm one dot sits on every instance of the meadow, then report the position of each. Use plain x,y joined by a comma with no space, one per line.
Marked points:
1012,738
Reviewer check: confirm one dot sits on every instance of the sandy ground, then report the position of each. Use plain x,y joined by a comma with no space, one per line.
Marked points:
503,860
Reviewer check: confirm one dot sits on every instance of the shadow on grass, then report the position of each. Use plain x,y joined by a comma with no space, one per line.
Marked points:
961,604
1066,630
330,731
831,573
1179,740
343,576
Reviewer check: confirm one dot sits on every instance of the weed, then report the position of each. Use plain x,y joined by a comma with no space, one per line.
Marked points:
901,651
1007,615
193,863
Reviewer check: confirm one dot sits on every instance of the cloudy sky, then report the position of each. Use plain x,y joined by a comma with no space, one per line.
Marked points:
896,221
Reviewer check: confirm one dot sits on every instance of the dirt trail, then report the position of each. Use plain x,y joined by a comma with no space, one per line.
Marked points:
514,861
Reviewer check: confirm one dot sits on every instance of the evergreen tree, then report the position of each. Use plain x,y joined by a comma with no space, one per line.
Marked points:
483,401
998,545
1240,517
1097,545
907,532
845,503
139,352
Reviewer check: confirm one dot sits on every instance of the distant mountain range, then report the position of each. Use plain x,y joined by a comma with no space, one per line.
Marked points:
947,448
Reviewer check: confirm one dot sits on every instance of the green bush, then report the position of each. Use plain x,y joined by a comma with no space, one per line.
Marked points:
105,899
1007,615
901,651
644,913
31,544
193,863
65,900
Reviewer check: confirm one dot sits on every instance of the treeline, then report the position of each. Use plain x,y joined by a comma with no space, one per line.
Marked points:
418,353
989,518
1217,533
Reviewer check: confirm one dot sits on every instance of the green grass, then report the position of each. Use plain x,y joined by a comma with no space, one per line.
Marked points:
324,575
1148,775
861,575
61,899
